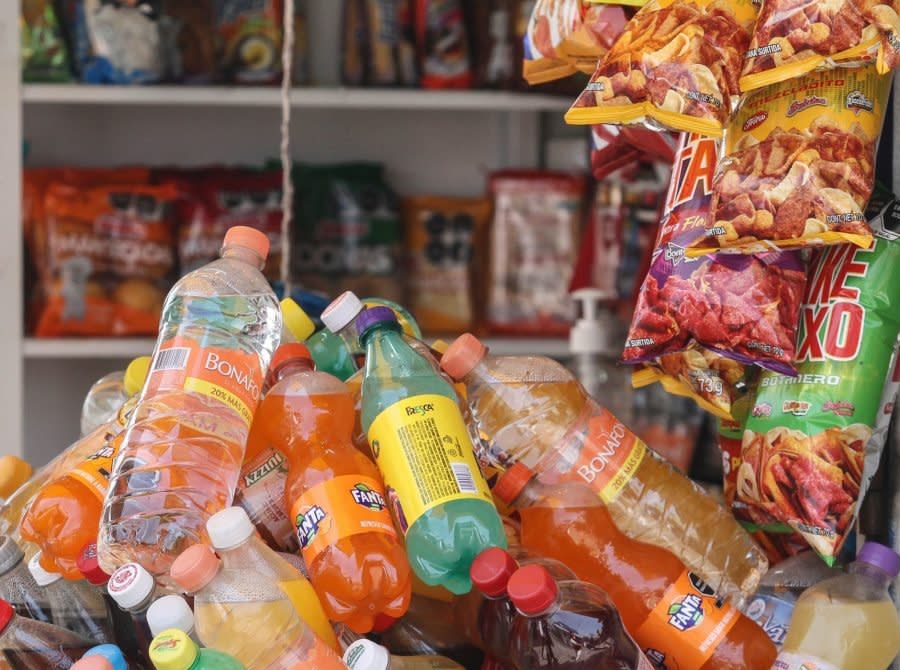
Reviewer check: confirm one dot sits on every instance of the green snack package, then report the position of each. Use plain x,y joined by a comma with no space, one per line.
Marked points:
42,47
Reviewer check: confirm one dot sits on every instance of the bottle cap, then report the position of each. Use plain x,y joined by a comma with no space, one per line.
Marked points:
881,557
366,655
594,332
229,528
341,312
195,568
491,571
6,614
287,353
136,374
249,238
511,482
41,576
89,565
93,663
173,650
170,612
532,589
462,356
130,585
13,473
10,554
109,653
297,320
374,316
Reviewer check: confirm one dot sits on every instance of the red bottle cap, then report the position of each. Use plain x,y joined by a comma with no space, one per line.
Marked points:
532,589
382,623
511,482
289,352
89,566
6,614
491,570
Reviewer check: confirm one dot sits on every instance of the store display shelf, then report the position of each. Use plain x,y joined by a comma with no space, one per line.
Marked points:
98,348
340,98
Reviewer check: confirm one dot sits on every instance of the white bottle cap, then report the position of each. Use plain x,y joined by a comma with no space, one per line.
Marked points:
41,576
341,312
130,586
170,612
366,655
595,331
229,528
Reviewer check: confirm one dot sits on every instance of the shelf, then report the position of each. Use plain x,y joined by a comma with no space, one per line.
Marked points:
327,98
111,348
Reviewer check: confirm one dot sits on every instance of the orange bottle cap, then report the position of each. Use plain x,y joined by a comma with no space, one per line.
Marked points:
462,356
195,568
251,238
290,352
511,482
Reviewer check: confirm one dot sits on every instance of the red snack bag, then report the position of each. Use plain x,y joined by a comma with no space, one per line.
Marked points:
443,44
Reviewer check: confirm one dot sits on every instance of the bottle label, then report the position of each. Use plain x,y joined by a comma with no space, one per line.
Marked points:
95,470
772,613
231,376
339,508
261,493
424,452
789,661
610,456
686,626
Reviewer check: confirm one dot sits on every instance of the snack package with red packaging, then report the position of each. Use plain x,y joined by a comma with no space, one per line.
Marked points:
443,44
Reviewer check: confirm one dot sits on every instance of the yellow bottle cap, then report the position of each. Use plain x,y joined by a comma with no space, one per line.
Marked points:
173,650
296,320
136,374
440,346
13,473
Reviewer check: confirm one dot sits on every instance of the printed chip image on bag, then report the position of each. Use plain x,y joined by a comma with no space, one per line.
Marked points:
799,164
793,38
676,65
812,442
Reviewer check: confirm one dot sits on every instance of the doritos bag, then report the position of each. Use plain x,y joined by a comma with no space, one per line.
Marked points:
799,164
676,65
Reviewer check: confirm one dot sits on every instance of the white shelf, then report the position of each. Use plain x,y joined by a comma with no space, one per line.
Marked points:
112,348
336,98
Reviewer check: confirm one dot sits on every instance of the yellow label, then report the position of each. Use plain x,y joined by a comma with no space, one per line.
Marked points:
424,452
215,391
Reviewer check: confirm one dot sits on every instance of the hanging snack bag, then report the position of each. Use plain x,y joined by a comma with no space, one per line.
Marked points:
812,442
42,49
105,259
534,246
676,65
792,39
250,34
799,164
445,243
443,44
189,41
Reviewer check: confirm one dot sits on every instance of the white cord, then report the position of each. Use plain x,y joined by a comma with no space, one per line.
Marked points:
287,186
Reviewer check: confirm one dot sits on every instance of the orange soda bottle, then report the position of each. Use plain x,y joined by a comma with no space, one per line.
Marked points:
335,495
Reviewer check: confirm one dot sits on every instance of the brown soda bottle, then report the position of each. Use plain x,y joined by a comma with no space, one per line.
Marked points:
34,645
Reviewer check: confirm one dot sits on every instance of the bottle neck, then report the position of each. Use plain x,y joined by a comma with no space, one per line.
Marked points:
871,572
293,367
350,336
377,341
245,255
549,611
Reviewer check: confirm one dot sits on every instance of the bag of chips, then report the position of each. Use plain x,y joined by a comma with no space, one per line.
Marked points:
799,164
250,34
42,48
490,24
792,39
676,65
812,442
443,44
379,43
189,41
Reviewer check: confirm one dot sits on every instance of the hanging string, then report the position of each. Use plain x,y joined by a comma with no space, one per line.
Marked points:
287,185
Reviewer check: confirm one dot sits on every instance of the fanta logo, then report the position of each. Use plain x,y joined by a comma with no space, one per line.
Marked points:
308,525
686,613
755,121
420,409
809,101
227,369
368,498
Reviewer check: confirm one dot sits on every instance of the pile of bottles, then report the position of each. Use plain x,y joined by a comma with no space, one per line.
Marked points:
266,495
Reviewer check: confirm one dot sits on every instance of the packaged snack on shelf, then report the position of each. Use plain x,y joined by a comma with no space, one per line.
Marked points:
490,24
792,39
446,242
42,48
348,232
105,258
676,65
188,41
440,30
799,164
813,442
534,239
250,35
379,43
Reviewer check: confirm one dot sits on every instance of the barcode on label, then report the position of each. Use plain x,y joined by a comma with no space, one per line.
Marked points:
464,479
171,359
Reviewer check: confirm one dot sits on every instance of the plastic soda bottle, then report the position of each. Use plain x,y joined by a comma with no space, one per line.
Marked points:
366,655
171,611
182,453
233,537
232,606
27,644
328,350
133,589
14,472
173,650
109,653
535,412
847,622
335,494
107,395
412,419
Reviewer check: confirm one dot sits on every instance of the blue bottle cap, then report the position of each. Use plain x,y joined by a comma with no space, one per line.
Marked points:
111,653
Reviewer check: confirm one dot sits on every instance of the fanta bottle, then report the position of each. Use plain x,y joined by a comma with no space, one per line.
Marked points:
182,453
436,491
335,495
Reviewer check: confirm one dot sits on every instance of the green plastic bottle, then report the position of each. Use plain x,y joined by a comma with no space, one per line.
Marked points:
434,487
174,650
327,349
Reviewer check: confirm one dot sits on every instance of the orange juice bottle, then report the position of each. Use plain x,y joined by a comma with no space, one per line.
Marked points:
335,495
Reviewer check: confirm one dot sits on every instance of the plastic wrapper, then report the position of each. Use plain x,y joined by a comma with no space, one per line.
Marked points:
793,38
42,49
799,164
440,30
534,239
189,41
445,241
490,24
250,34
379,43
676,65
813,442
